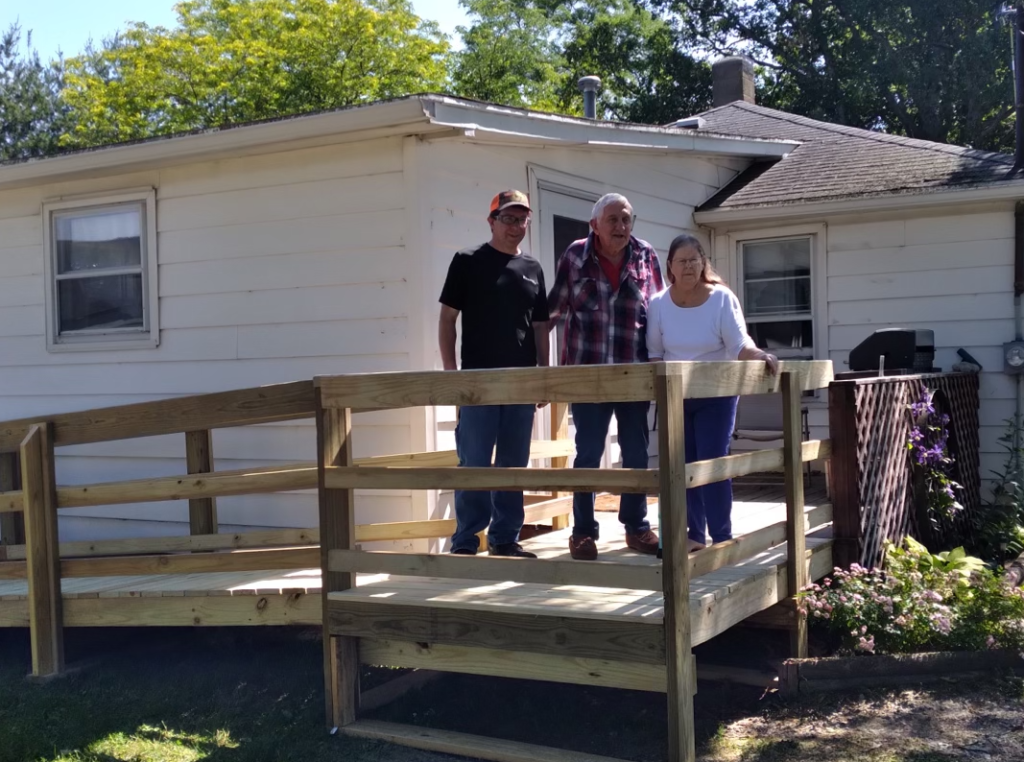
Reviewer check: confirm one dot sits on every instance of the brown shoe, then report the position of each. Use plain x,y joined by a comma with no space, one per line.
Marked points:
643,542
583,548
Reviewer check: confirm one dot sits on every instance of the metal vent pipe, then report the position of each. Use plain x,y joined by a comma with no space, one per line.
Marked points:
589,86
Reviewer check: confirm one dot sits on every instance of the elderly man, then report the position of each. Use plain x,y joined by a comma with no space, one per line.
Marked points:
500,293
602,288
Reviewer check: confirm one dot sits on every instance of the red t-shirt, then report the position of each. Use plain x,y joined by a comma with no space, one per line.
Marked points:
611,271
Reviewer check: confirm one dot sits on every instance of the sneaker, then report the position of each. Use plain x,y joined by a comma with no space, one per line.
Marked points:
694,546
463,552
583,548
510,549
643,542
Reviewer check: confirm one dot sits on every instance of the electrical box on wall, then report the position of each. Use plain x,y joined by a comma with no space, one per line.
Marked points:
1013,357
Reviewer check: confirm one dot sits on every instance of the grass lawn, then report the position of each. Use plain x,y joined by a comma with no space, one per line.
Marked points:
165,695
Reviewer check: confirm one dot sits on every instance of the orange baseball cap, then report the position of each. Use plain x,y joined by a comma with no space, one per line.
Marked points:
509,198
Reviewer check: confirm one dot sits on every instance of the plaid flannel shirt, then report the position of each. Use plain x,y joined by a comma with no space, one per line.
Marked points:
604,326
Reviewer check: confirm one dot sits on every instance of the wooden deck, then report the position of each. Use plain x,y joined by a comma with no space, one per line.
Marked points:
293,597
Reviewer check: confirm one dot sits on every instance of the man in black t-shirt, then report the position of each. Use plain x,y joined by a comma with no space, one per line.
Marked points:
501,294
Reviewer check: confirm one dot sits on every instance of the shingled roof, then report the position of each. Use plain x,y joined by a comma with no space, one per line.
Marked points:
835,162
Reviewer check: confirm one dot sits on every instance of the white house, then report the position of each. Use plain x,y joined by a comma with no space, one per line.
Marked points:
277,251
318,244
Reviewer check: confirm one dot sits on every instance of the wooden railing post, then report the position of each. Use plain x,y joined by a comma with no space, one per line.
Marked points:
202,512
337,531
845,473
12,525
796,530
676,565
42,552
559,431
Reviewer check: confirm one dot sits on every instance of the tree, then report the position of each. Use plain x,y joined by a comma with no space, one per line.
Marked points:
646,72
236,61
931,69
32,116
533,52
510,57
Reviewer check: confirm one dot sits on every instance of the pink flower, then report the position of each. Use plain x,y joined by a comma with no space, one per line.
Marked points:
867,644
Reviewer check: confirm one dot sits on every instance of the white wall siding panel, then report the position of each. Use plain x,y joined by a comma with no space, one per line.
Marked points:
951,274
368,157
299,200
909,259
19,261
23,321
273,268
309,305
277,271
257,239
926,282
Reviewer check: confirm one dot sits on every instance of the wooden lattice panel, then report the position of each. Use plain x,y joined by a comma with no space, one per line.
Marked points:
882,466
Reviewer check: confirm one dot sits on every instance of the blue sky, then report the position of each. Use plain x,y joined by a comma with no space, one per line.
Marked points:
66,25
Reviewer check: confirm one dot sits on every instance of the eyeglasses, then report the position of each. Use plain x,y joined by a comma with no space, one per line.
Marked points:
511,219
688,263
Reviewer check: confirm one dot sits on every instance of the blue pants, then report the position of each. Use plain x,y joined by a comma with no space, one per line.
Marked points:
592,420
708,427
479,430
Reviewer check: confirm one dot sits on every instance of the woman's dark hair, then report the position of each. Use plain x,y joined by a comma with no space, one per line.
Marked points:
687,241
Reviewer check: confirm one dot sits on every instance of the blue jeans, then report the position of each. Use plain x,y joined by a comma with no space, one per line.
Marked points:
479,429
592,420
708,428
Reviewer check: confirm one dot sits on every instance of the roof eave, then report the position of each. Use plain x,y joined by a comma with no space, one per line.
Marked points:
415,115
566,130
1006,190
400,117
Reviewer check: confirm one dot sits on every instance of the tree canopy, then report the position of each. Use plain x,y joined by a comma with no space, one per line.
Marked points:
235,61
533,52
32,116
932,69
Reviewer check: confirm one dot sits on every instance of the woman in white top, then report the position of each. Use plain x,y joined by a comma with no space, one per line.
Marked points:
698,318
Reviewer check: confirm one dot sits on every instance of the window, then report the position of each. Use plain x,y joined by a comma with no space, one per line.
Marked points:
777,295
101,272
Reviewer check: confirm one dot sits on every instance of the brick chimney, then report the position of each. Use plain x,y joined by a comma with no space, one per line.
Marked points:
732,79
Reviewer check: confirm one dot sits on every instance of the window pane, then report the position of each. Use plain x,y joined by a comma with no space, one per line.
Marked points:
98,303
566,231
774,297
98,240
784,334
777,259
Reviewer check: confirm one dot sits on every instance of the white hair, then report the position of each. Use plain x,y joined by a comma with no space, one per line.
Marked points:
607,200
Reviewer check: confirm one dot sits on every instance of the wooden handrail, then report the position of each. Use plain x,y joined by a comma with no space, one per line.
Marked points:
615,480
242,407
577,383
12,502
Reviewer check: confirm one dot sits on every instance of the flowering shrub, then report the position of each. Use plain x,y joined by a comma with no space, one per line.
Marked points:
929,435
919,602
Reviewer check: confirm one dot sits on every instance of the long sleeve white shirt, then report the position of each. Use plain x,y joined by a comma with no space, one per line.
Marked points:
715,330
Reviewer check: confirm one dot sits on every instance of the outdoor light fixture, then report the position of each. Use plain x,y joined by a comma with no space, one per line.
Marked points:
1013,357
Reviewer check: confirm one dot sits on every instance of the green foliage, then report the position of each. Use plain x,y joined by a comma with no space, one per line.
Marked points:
532,53
510,56
235,61
920,602
999,526
31,114
931,69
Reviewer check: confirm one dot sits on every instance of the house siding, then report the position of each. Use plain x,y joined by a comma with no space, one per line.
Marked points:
952,274
272,268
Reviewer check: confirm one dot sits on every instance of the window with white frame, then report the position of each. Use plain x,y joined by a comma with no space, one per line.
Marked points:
777,295
101,272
